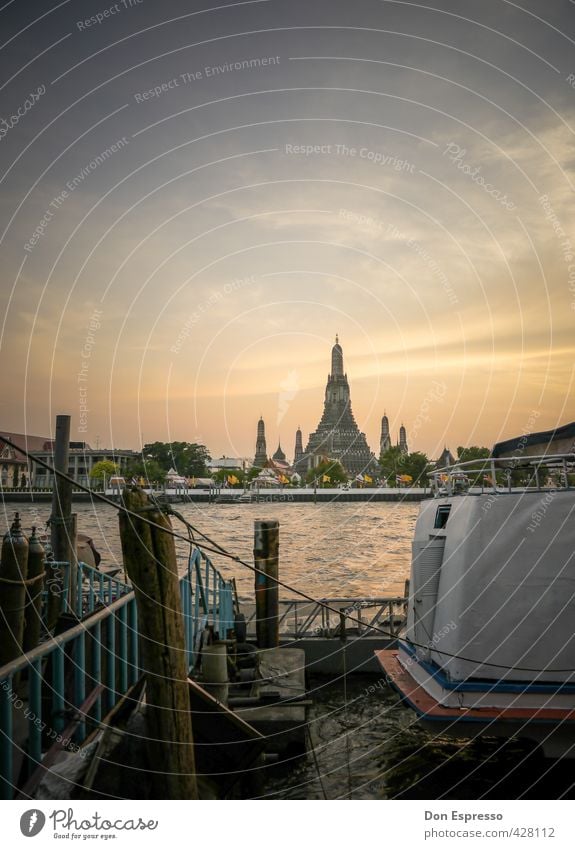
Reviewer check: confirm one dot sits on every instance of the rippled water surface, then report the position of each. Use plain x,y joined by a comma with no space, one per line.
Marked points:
372,748
325,549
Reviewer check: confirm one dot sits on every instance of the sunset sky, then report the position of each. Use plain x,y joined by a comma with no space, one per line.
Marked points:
398,173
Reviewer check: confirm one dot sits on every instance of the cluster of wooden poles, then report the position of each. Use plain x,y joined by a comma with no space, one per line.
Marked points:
25,571
150,561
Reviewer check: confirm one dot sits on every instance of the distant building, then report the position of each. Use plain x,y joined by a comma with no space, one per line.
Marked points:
279,454
232,464
279,463
82,460
446,459
385,441
14,465
298,454
261,456
337,435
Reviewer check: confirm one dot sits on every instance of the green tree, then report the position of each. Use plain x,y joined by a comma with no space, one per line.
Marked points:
189,459
148,469
103,471
416,465
478,470
327,468
394,462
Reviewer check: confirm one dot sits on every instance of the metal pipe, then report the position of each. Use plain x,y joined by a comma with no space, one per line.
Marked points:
58,696
111,662
133,619
6,739
80,680
97,665
35,719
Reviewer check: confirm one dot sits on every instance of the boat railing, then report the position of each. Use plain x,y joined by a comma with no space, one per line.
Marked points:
456,479
74,678
369,616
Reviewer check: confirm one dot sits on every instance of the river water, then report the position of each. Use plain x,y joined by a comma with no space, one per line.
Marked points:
352,550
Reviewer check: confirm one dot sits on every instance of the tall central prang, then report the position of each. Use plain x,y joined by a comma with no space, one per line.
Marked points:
337,436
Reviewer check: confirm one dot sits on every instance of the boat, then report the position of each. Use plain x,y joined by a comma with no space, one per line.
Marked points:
488,647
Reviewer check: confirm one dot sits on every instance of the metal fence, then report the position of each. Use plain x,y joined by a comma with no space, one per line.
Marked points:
58,693
300,619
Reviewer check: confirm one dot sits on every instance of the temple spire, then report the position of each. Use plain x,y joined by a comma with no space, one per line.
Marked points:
336,359
337,435
261,450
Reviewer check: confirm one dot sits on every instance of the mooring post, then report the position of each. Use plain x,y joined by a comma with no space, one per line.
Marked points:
150,561
13,573
61,522
266,560
35,578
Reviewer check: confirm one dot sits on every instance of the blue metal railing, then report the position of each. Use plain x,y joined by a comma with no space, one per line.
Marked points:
50,684
207,599
93,588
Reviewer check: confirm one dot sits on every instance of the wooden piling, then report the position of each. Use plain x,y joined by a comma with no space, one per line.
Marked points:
61,522
266,560
35,578
13,572
150,561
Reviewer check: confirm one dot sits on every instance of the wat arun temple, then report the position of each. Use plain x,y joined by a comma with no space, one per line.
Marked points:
337,436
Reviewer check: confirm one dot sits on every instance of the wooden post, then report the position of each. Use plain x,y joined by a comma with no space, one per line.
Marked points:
61,530
266,559
13,570
33,611
150,561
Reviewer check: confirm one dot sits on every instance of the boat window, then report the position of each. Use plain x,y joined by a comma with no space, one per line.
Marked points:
442,516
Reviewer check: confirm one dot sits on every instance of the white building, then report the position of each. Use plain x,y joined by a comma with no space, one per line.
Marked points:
229,464
82,460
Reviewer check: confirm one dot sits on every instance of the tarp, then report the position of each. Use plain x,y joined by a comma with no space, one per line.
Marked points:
507,584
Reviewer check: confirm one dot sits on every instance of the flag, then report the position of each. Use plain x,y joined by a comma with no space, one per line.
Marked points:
326,478
368,479
404,478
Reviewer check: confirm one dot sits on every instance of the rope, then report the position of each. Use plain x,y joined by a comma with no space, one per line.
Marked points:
217,549
344,666
316,762
25,583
